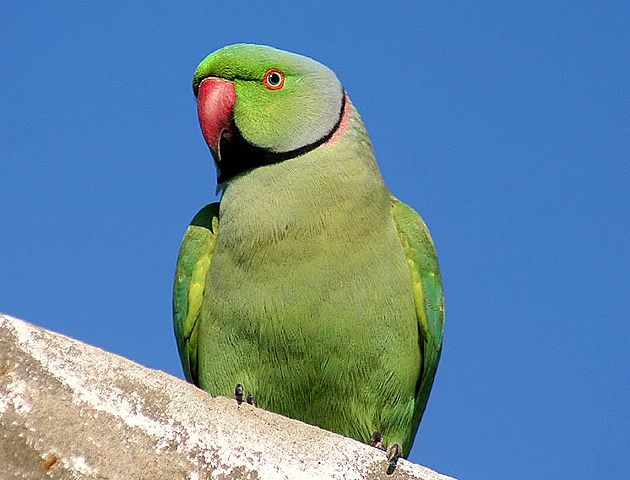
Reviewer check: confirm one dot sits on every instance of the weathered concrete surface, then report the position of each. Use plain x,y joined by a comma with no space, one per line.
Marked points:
72,411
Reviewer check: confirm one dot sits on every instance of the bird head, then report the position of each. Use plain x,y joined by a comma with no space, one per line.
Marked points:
258,105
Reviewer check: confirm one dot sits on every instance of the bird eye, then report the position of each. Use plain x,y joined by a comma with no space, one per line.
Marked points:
274,79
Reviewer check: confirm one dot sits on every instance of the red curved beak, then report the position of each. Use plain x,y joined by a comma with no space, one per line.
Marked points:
215,104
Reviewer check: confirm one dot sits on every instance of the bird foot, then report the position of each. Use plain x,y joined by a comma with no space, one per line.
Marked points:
377,441
238,395
394,452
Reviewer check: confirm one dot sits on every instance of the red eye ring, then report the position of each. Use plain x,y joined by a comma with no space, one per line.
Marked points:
273,79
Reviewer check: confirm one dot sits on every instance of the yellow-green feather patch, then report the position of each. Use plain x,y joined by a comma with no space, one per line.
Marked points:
427,291
193,264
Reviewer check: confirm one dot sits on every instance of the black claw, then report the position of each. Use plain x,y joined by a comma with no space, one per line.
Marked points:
394,452
250,399
238,393
377,441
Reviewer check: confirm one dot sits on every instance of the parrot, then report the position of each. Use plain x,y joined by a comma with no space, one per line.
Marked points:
308,285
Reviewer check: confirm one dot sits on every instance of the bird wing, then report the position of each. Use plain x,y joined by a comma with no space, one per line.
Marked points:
428,295
193,264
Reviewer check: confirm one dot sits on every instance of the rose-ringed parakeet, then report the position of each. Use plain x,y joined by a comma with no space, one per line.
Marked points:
308,283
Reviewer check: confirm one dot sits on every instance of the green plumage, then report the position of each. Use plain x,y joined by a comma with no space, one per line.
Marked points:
312,286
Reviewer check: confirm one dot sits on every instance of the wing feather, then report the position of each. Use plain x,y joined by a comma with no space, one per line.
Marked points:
193,264
428,295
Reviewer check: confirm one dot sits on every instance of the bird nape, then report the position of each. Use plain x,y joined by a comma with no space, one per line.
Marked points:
309,285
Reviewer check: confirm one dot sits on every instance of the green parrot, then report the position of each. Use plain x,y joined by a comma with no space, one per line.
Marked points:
309,285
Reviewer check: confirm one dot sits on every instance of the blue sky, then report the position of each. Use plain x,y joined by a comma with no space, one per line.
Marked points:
506,124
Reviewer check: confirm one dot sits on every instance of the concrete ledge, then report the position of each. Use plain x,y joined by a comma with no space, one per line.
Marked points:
72,411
